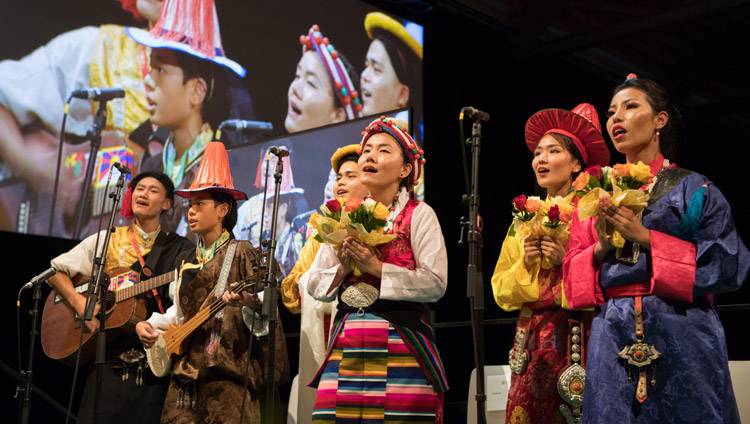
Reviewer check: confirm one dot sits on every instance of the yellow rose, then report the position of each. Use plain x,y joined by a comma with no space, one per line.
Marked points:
641,172
380,211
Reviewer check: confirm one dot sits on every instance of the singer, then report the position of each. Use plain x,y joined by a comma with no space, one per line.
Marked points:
30,127
315,316
528,275
689,250
187,91
210,373
314,100
149,195
371,353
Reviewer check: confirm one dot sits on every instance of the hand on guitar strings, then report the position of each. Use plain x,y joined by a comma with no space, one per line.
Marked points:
241,299
146,334
79,304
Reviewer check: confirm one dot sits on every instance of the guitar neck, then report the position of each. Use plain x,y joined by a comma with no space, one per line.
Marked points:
183,331
144,286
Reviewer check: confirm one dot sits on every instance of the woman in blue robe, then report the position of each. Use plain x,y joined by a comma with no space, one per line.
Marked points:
657,351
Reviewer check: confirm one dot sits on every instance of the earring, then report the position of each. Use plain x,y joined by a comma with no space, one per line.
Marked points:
657,133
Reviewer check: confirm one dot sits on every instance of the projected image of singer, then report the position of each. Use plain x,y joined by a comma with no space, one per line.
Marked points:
325,89
33,91
128,395
187,92
392,78
291,202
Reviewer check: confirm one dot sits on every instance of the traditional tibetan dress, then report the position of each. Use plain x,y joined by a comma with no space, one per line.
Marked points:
657,352
543,333
208,387
315,322
129,391
383,365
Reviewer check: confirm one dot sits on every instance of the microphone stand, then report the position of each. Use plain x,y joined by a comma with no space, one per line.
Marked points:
270,302
100,285
26,376
95,135
474,278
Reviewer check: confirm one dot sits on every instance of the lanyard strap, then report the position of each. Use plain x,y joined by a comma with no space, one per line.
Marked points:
146,271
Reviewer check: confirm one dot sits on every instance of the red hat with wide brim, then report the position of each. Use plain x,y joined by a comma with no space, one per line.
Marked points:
213,174
581,125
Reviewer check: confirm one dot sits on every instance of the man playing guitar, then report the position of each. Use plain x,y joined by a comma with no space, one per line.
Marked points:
142,396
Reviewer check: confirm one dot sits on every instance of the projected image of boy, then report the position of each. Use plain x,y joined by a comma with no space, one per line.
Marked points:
187,93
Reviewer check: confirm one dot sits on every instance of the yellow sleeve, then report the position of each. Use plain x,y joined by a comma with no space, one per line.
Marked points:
290,285
512,284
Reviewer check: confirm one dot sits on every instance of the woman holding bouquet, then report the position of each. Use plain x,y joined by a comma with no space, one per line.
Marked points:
528,275
658,352
382,363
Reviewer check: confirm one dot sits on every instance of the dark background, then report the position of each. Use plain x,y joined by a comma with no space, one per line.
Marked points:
468,61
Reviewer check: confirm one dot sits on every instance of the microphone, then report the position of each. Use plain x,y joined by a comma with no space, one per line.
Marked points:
247,126
122,168
97,93
39,278
278,151
475,113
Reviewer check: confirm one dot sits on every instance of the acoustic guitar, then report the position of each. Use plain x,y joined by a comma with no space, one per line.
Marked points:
61,325
170,342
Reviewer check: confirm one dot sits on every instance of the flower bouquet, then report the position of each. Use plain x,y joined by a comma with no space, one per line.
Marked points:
553,220
364,219
328,225
622,183
524,212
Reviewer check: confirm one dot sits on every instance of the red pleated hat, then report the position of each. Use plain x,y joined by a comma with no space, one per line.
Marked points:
213,173
581,125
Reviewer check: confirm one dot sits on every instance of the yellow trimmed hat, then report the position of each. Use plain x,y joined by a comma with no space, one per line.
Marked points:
381,20
340,153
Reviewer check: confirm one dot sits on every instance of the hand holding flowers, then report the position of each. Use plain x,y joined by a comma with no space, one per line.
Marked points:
353,227
544,226
621,185
553,229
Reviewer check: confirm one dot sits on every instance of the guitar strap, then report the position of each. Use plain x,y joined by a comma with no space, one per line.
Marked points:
153,257
221,285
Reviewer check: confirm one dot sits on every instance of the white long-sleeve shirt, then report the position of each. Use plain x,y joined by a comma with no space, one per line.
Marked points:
426,283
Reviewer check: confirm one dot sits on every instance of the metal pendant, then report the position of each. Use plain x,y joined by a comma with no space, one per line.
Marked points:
518,357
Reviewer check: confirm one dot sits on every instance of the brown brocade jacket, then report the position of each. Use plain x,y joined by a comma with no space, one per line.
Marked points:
230,359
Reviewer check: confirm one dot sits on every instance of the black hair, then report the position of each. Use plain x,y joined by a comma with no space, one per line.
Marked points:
406,64
230,219
158,176
216,104
351,157
658,97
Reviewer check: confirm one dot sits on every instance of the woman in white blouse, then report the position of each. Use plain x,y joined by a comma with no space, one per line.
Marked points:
381,341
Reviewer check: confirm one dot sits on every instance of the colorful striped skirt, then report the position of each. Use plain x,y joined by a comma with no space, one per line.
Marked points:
371,377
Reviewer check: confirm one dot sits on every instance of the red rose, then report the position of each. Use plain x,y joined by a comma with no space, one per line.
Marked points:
595,171
520,203
333,205
554,213
352,204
